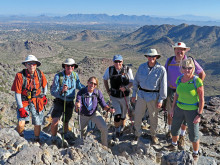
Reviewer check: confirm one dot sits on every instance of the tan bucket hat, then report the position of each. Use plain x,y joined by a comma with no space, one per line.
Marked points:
152,52
30,58
69,61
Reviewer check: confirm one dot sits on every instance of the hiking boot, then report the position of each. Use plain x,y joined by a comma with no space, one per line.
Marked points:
53,139
37,139
195,157
171,147
169,135
117,134
154,140
181,142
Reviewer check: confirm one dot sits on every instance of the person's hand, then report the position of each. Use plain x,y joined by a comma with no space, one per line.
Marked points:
23,113
45,100
171,113
197,119
159,105
112,110
133,99
65,88
122,88
77,106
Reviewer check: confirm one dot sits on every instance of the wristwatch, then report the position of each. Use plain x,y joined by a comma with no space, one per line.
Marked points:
198,114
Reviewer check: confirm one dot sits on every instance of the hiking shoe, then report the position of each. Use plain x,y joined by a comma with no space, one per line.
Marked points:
37,139
154,140
181,142
117,134
171,147
195,156
169,135
53,139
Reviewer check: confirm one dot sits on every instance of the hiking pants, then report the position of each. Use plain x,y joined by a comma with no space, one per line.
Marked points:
100,123
140,108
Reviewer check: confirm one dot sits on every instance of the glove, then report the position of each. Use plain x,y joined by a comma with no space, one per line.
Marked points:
23,113
45,100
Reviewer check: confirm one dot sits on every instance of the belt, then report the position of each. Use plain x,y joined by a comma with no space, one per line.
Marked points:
146,90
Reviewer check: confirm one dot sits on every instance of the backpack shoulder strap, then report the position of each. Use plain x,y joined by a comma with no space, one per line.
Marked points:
194,81
39,76
74,74
111,70
24,77
169,61
179,81
60,78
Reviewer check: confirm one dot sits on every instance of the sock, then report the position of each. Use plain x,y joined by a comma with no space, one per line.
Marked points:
174,143
195,152
183,132
36,137
169,127
53,137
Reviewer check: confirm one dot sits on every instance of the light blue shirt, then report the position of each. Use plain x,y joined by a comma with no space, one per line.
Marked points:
70,82
151,79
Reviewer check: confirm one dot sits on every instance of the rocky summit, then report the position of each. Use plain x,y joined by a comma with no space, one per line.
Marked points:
123,150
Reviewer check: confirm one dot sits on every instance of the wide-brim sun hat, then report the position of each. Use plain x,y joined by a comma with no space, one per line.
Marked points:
69,61
31,58
117,57
152,52
181,45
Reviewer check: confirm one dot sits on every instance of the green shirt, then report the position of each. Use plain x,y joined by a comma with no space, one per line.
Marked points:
188,94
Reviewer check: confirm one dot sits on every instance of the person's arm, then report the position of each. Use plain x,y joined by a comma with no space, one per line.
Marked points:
18,100
78,101
200,91
202,75
45,90
79,85
55,90
163,88
107,87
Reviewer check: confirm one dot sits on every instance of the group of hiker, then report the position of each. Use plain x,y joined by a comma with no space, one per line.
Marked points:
174,86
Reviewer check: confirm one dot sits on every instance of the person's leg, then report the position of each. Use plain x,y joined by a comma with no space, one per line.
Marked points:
124,107
68,115
169,118
20,127
117,118
101,125
54,126
139,112
37,129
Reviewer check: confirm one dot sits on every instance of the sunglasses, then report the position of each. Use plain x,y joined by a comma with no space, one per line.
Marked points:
117,61
92,83
150,56
31,63
187,68
70,65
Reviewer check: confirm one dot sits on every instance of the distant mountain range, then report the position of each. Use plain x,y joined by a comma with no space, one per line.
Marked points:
203,40
114,19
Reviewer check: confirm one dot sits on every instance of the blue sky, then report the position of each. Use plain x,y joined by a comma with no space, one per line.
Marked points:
208,8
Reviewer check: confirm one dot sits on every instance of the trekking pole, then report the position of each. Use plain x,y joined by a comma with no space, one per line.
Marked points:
79,122
129,114
64,111
165,113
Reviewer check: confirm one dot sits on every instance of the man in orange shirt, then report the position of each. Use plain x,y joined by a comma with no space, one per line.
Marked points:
30,87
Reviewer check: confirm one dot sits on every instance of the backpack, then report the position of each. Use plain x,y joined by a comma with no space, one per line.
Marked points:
124,70
61,77
24,77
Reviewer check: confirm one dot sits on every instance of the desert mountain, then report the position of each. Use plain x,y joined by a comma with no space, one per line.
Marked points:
85,35
203,40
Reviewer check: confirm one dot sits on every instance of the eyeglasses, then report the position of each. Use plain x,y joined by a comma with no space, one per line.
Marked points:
70,65
187,68
117,61
31,63
92,83
150,56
